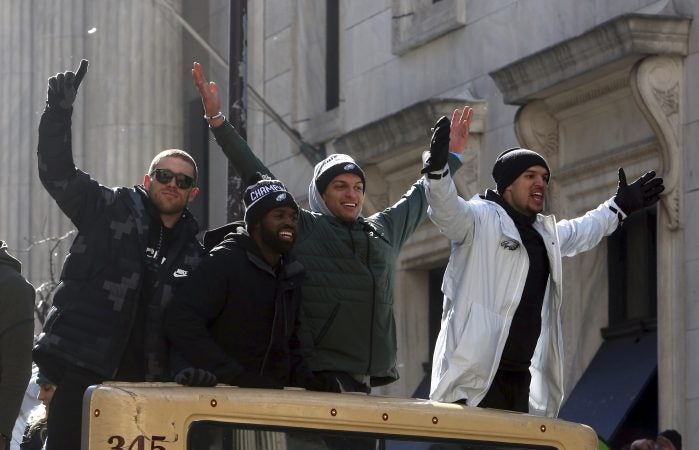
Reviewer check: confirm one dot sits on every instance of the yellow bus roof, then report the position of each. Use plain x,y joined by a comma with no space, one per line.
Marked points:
167,410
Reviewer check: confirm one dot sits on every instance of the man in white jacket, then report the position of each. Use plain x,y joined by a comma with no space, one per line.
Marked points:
500,343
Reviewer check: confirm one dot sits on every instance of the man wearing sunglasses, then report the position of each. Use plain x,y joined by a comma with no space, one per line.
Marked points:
134,247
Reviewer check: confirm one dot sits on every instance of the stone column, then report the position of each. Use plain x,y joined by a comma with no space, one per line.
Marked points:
657,85
17,125
134,93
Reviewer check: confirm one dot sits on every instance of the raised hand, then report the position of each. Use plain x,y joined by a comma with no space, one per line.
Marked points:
459,130
208,91
643,192
439,146
63,87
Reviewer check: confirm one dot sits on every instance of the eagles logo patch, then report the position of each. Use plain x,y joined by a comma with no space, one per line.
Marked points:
509,245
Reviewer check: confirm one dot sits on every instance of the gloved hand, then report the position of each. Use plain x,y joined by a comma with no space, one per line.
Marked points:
194,376
439,146
63,87
253,380
643,192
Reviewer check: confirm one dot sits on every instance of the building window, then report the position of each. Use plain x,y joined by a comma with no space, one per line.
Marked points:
416,22
632,272
332,55
436,301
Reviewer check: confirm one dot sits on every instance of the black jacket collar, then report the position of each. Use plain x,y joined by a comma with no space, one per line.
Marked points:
517,217
289,266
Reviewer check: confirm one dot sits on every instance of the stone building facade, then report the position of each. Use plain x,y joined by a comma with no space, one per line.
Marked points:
592,85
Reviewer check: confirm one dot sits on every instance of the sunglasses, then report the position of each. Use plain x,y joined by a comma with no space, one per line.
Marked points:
165,175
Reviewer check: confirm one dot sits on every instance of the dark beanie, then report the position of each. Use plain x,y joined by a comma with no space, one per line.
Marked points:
512,163
41,379
335,165
263,195
674,437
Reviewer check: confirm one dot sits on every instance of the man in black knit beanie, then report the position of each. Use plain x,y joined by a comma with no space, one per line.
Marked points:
500,343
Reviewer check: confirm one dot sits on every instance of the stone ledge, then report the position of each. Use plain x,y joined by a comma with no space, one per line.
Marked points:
620,41
373,142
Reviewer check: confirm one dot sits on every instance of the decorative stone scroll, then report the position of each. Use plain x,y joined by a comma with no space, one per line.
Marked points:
656,82
537,129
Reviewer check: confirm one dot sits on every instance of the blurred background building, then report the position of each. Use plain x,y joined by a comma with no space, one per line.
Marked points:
592,85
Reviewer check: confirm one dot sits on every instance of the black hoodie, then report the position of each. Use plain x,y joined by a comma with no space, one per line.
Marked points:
16,336
526,323
237,314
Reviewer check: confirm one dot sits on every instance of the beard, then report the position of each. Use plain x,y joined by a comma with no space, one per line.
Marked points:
163,206
270,238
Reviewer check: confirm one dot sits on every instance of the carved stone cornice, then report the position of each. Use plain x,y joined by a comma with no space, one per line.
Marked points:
656,83
601,87
616,43
628,155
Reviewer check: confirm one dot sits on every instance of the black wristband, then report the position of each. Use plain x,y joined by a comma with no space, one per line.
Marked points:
437,176
618,213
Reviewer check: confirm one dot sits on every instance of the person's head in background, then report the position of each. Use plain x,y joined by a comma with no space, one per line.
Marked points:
668,440
46,389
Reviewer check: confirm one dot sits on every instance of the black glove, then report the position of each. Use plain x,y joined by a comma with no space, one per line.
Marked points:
194,376
643,192
253,380
63,88
439,146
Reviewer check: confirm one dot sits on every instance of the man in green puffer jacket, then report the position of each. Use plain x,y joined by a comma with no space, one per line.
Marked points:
350,260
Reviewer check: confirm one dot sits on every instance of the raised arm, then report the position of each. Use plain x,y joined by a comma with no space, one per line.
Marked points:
449,212
210,99
401,219
73,190
233,145
54,129
583,233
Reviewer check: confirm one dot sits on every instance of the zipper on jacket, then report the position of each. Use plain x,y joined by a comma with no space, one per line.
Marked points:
349,230
373,305
271,333
326,326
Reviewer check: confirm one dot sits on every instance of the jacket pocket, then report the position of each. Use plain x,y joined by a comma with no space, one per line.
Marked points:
474,357
326,326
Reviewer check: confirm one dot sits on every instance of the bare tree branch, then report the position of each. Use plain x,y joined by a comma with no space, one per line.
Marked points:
44,291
